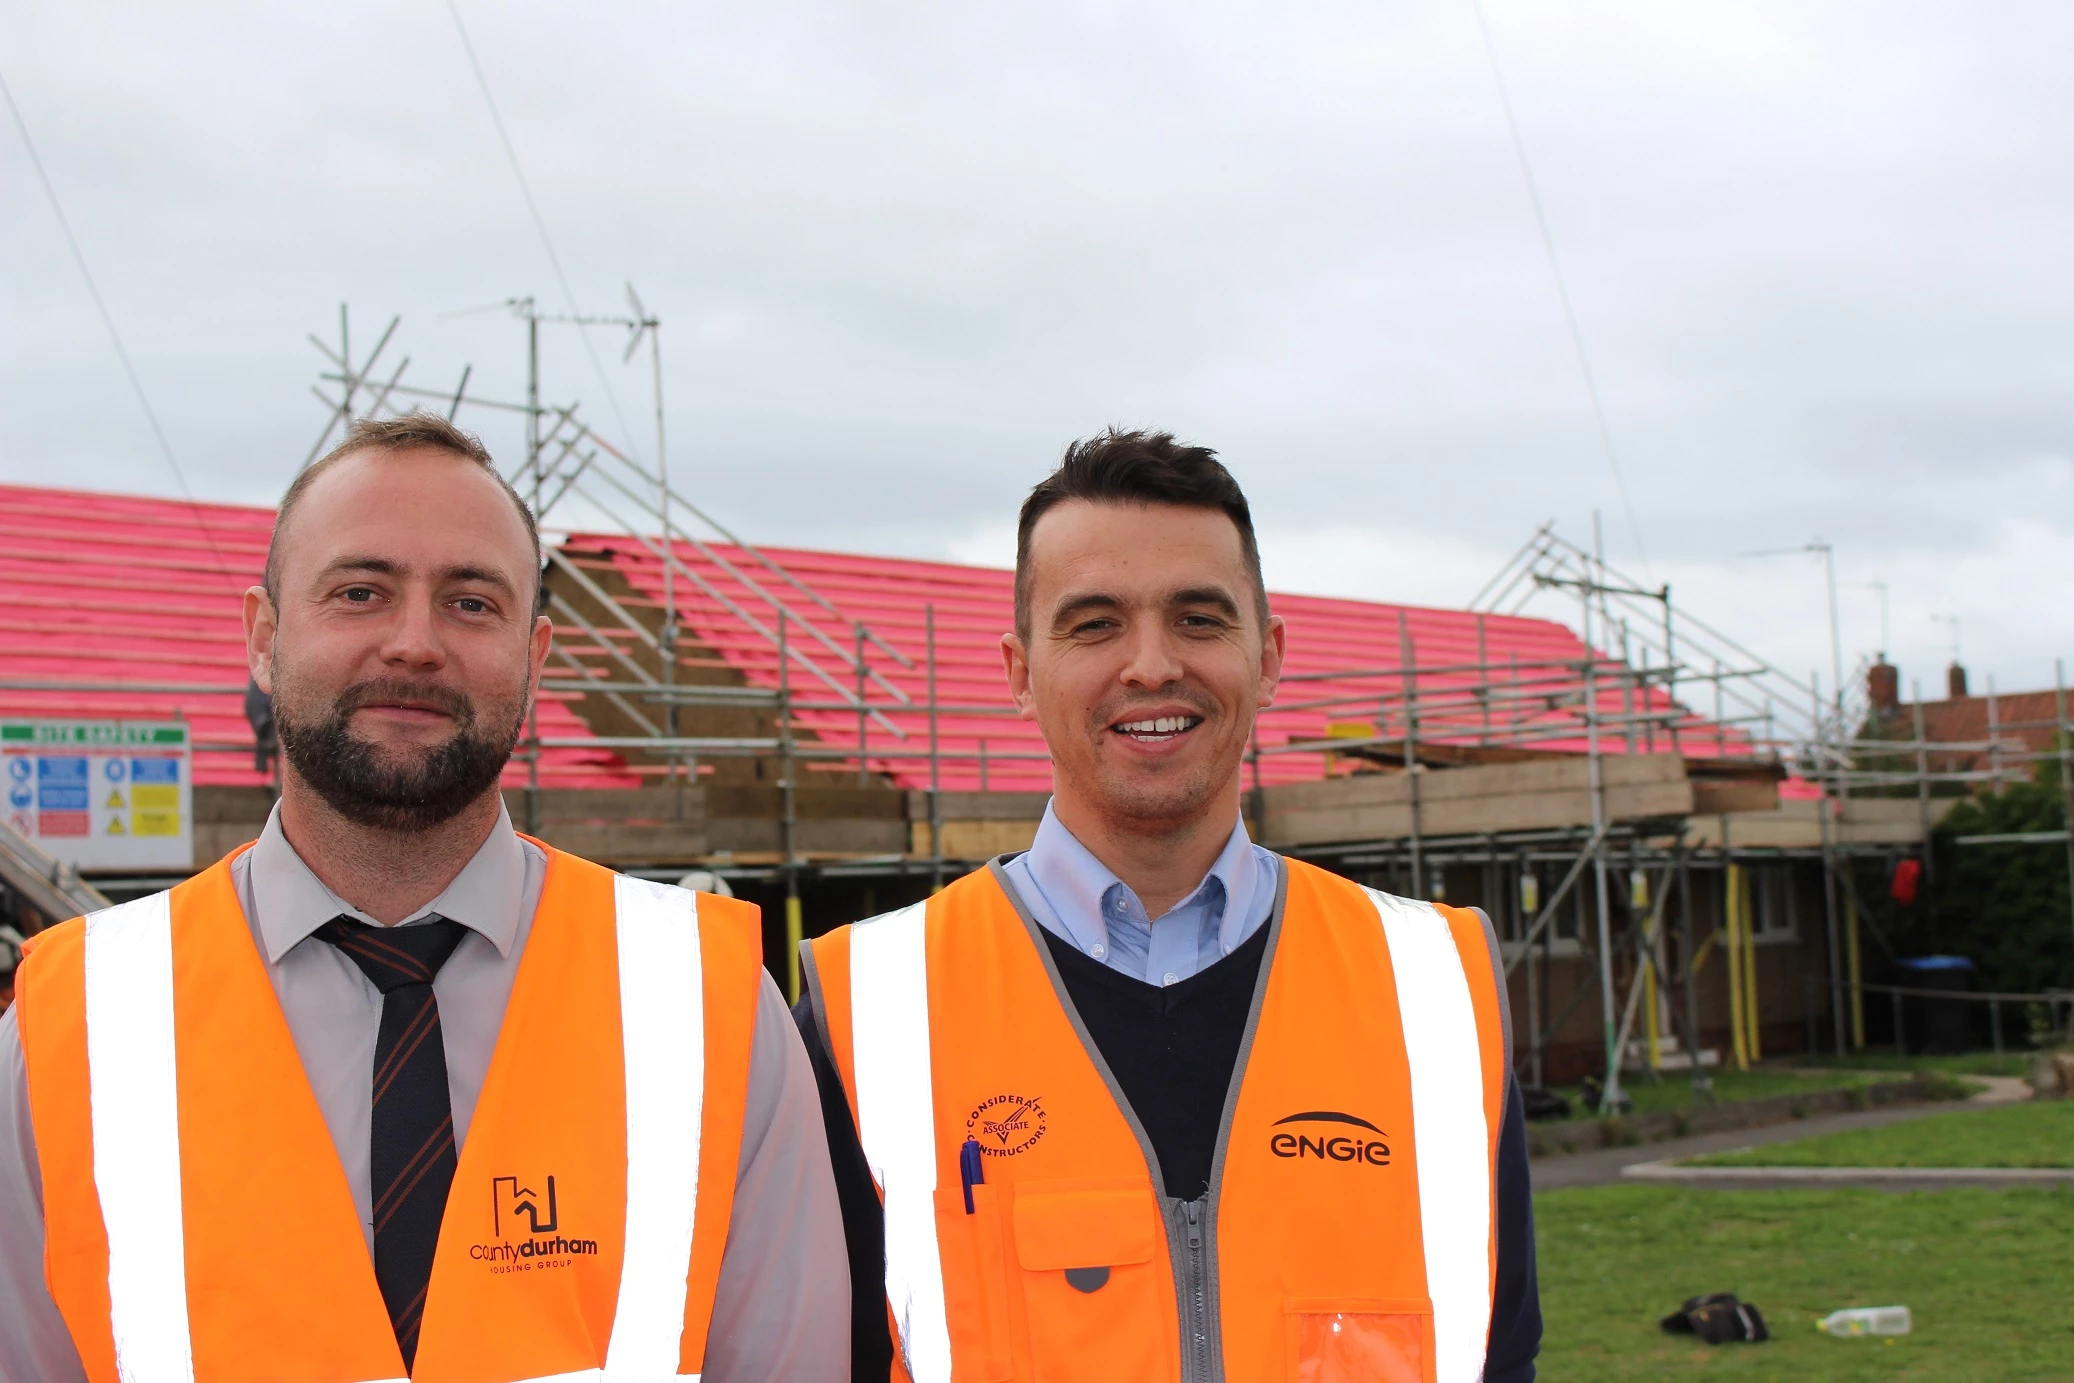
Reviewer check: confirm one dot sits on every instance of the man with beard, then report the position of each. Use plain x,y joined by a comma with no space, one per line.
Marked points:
396,1090
1148,1101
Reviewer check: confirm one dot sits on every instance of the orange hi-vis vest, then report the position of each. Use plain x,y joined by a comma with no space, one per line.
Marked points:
1349,1229
199,1228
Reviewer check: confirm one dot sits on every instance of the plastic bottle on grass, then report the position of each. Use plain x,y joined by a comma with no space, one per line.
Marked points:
1867,1320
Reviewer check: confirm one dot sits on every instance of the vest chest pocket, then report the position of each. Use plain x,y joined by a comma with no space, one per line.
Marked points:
1358,1340
1099,1302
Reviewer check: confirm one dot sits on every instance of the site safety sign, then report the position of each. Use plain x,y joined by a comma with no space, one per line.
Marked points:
101,794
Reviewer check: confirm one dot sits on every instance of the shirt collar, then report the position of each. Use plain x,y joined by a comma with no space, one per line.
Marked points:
1238,868
292,902
1075,884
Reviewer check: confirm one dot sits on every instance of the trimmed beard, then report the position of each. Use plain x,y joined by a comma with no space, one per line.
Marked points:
353,778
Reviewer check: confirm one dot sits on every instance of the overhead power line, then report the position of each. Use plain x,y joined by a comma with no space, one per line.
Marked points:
129,368
1555,269
547,243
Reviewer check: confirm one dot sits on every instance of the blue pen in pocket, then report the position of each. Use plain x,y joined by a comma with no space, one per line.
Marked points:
970,1171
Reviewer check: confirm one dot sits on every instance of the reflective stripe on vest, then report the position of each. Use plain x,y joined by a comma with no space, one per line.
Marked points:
664,1041
1447,1097
1059,1185
896,1124
122,961
135,1100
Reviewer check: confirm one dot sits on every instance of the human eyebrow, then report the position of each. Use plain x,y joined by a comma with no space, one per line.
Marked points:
1216,597
342,566
1073,607
384,566
484,576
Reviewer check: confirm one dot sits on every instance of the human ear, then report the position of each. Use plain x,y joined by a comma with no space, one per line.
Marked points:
260,628
1015,663
1274,644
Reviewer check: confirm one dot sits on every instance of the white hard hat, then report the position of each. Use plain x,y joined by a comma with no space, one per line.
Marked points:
706,881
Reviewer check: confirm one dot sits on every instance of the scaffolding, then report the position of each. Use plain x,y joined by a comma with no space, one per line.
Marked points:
1586,772
1639,693
55,889
567,461
1457,760
1420,717
1606,807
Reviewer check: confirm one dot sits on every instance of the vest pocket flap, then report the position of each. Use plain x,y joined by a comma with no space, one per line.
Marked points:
1083,1226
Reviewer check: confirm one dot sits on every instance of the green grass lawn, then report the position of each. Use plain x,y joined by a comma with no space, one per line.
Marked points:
1961,1064
2039,1134
1674,1091
1985,1273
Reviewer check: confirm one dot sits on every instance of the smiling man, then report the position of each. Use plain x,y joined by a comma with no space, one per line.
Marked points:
397,1090
1148,1101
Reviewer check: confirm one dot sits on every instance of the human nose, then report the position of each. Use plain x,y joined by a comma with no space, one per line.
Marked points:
1151,664
412,639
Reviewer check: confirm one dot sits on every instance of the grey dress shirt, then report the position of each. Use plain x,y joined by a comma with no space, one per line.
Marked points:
782,1307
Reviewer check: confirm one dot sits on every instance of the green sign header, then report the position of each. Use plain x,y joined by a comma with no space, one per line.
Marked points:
93,732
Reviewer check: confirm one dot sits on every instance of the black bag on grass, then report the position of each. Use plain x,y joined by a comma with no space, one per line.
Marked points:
1719,1319
1542,1103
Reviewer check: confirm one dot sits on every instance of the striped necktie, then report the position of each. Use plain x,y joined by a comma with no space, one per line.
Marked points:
411,1135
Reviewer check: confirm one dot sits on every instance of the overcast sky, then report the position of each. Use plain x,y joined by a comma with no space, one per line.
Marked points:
1819,257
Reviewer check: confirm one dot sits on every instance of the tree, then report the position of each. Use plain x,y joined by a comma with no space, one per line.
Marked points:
2004,907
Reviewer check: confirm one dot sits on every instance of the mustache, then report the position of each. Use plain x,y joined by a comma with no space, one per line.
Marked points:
389,690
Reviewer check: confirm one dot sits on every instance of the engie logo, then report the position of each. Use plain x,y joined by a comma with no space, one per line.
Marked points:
532,1218
1327,1146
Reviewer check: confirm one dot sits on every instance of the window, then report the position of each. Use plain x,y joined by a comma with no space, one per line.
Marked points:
1773,899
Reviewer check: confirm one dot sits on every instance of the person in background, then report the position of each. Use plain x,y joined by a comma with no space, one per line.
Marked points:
259,714
10,957
396,1090
1148,1101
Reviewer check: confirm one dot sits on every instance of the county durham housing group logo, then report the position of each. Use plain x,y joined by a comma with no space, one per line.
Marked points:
527,1225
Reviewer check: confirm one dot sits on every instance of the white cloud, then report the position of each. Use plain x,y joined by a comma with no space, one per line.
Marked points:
905,252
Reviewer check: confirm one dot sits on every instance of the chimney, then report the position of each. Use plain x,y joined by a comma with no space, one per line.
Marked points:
1883,688
1955,682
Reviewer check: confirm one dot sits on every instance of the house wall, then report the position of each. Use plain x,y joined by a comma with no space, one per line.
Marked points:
1791,953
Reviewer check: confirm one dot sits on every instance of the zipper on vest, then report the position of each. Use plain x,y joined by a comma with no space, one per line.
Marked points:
1195,1295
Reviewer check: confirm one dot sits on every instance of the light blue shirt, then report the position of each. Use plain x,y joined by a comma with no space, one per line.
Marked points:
1075,898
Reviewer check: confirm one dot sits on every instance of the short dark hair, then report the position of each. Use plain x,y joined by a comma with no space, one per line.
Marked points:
412,430
1136,468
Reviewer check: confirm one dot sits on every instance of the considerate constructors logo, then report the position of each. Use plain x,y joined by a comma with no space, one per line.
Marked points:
527,1225
1006,1125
